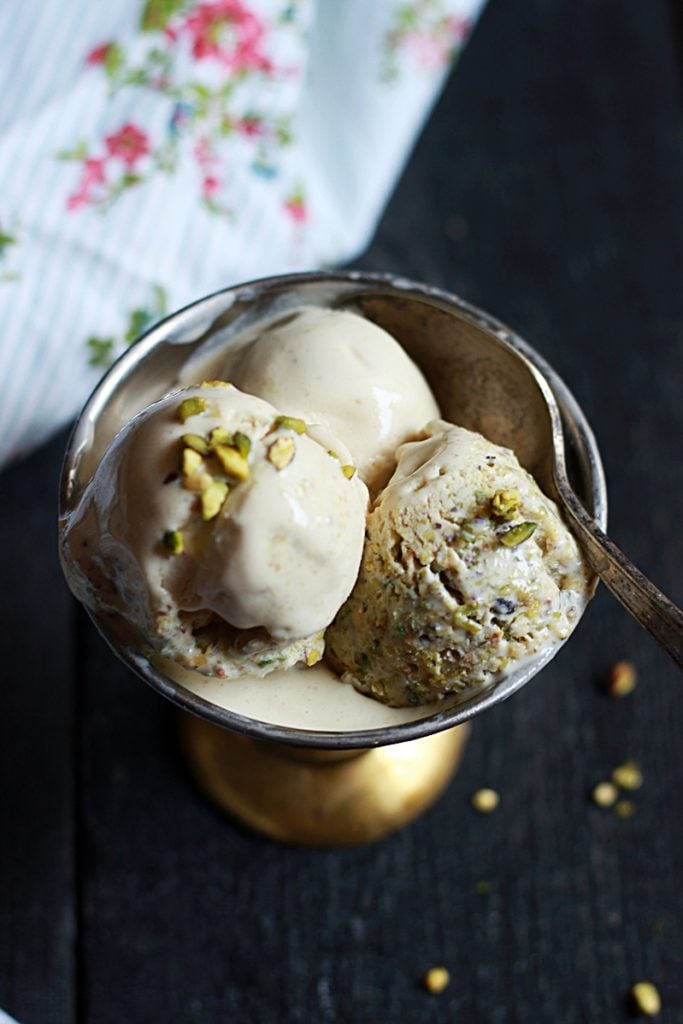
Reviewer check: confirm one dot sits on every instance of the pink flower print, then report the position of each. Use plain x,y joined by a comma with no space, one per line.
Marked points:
230,33
250,126
296,207
94,171
210,186
98,55
128,143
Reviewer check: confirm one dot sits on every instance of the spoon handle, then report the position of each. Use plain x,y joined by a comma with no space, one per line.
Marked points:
646,603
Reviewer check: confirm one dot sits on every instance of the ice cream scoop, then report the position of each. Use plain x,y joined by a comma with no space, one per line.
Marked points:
340,370
467,570
224,531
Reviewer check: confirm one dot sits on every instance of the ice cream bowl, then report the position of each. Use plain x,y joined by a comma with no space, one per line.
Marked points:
300,755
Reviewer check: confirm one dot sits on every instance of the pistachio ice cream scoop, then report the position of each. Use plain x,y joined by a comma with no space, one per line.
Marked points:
340,370
226,533
467,569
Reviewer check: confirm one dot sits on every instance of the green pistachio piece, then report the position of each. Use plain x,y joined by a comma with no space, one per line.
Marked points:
349,471
219,435
190,407
242,443
232,462
504,504
281,452
173,542
517,534
216,384
192,460
291,423
332,454
196,442
212,499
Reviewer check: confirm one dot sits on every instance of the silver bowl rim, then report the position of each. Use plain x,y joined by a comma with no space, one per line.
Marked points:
573,419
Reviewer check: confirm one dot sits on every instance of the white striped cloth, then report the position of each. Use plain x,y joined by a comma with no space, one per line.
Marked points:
152,152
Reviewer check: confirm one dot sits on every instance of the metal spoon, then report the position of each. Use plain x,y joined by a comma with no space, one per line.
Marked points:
645,602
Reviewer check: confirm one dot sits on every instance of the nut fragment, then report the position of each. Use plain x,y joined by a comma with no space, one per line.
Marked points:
313,657
219,435
628,775
605,794
291,423
436,980
349,471
281,452
241,442
624,808
213,498
173,542
196,442
485,800
216,384
646,998
197,482
192,460
621,679
517,534
232,462
504,504
190,407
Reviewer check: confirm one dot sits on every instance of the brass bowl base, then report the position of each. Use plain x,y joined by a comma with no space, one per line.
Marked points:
319,797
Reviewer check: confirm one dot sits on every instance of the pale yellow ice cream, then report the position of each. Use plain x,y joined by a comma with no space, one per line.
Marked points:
467,569
340,370
225,533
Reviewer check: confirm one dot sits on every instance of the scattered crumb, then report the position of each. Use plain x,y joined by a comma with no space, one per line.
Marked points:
628,775
436,980
485,800
624,808
605,794
646,998
621,679
483,887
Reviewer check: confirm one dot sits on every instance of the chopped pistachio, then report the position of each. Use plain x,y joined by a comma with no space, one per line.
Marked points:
190,407
313,657
517,534
213,498
241,442
483,887
622,679
485,800
173,542
196,442
192,460
605,794
232,462
216,384
281,452
291,423
462,622
436,980
646,998
197,481
219,435
624,808
332,454
504,504
628,775
349,471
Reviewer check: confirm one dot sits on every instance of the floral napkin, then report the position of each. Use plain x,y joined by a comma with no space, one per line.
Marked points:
152,152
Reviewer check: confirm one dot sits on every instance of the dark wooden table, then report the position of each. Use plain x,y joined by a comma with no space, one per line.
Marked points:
548,189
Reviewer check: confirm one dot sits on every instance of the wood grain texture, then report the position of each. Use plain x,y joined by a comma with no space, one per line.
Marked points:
547,188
